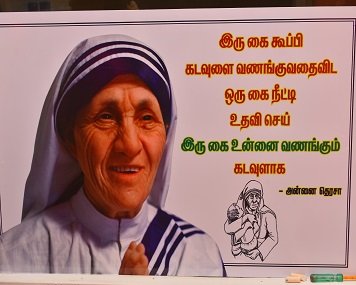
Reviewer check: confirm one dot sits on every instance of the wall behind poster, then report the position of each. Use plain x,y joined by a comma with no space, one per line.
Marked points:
314,228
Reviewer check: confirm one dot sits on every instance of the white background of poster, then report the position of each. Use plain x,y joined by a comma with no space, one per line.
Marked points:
312,230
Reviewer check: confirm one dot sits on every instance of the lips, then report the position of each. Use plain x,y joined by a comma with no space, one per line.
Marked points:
125,169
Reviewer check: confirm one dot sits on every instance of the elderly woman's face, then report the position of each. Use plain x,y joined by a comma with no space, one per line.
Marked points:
119,138
253,201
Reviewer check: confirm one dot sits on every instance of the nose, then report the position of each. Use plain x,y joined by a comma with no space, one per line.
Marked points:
127,141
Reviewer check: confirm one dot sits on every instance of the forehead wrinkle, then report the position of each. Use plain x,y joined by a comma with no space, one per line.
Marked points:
145,103
111,104
117,105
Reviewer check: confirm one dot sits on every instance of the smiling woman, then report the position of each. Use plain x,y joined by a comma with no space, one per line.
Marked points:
100,173
123,130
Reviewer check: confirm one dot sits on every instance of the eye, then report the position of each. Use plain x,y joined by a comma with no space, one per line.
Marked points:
105,119
147,117
147,120
106,116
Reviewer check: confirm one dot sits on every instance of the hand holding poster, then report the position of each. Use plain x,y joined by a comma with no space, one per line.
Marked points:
261,156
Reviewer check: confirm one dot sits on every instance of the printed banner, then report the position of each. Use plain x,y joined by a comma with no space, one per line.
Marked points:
255,179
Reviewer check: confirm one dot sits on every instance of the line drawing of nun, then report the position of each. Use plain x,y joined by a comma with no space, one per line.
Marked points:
251,224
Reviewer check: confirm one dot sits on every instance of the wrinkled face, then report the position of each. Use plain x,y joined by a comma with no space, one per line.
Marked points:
119,139
253,201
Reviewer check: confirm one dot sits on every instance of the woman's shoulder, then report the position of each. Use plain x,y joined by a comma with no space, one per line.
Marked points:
26,247
194,245
186,228
37,229
268,212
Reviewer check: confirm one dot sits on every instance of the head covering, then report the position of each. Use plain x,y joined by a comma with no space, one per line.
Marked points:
55,175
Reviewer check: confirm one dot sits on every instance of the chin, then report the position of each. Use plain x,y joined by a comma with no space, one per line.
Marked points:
131,207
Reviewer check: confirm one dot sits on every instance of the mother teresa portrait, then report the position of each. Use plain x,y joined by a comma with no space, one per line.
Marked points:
100,173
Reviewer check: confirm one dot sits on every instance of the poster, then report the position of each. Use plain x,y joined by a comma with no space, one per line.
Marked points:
265,100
